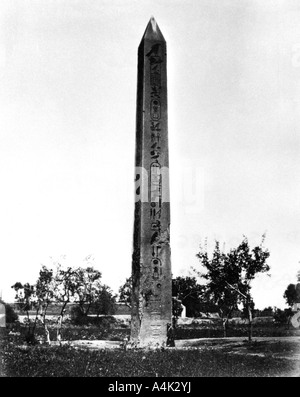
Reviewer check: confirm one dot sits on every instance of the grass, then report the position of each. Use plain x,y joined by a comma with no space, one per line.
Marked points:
65,361
211,358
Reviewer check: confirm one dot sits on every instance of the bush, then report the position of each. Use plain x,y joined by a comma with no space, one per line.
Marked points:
77,317
11,315
31,339
282,316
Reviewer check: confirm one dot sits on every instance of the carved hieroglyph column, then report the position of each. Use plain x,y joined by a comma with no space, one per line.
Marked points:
151,264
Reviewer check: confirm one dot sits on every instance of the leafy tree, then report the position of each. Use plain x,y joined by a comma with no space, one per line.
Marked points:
218,273
44,291
283,316
176,309
87,289
36,297
189,293
27,300
125,292
267,311
65,285
91,293
11,315
105,301
292,294
229,276
77,317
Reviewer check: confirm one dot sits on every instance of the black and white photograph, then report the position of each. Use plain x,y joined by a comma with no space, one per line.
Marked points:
149,191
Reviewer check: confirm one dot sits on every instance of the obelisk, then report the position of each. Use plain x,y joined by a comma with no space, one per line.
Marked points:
151,264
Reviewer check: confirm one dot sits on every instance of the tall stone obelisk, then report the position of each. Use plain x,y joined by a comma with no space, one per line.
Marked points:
151,264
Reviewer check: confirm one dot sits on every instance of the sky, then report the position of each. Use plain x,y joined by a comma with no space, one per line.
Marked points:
68,73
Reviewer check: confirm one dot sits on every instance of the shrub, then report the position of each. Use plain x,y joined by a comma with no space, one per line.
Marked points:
77,317
282,316
11,315
30,339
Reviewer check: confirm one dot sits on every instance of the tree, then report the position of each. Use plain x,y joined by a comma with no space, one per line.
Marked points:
87,289
125,292
292,294
65,285
27,300
218,273
38,297
11,315
105,301
267,311
45,293
189,293
176,309
229,277
283,316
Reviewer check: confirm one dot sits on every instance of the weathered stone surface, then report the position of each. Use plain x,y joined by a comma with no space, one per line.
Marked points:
2,315
151,264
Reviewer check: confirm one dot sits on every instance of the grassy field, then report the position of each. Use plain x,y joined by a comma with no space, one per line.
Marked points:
210,358
65,361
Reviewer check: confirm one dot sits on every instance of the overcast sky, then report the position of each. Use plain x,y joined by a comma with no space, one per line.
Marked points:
68,72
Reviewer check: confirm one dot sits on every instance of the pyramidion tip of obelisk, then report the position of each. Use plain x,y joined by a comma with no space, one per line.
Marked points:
152,31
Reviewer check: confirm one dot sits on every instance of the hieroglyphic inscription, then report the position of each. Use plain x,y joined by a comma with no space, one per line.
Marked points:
155,315
155,105
155,330
155,109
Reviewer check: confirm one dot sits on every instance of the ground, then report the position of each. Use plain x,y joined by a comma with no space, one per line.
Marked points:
97,350
2,333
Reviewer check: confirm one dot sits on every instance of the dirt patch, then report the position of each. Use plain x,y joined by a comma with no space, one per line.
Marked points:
284,347
281,347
